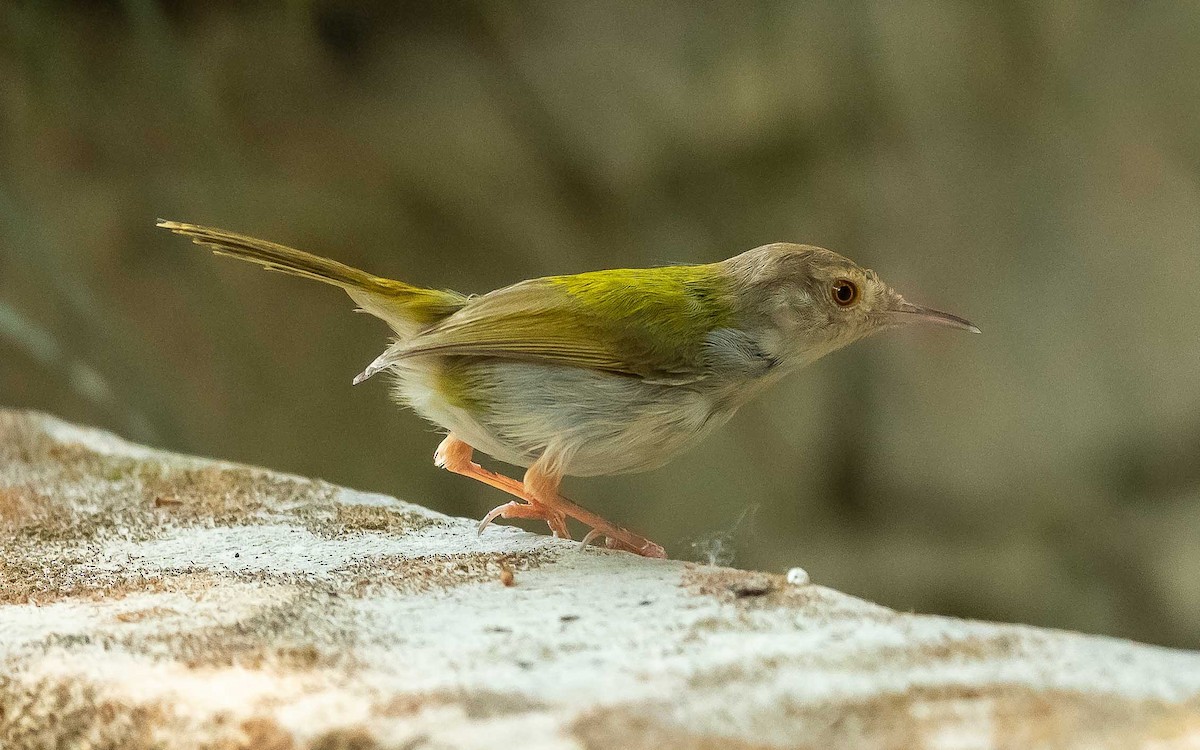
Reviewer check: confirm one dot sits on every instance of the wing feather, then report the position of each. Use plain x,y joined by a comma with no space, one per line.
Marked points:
646,323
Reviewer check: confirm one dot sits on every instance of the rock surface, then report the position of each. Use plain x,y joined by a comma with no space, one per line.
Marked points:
150,600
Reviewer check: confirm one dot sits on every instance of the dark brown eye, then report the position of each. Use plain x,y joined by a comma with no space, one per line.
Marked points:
845,293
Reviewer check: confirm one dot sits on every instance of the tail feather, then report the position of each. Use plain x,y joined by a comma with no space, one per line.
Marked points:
404,307
275,257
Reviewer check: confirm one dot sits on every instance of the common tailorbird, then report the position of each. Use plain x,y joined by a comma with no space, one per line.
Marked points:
607,372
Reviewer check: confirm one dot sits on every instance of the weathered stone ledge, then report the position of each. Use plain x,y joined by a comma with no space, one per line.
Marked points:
149,600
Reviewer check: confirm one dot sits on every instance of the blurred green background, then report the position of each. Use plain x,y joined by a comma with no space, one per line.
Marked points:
1034,166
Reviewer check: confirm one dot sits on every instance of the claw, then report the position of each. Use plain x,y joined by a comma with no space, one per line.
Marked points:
515,509
492,515
589,537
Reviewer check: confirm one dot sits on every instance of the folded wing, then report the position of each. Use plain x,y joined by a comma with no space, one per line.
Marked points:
647,323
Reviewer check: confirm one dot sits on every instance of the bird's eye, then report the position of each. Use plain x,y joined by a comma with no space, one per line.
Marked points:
845,292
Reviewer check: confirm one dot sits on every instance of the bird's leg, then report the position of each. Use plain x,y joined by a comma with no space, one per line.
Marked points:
455,455
541,485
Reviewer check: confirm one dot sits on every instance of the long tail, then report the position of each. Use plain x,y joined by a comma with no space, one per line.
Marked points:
406,308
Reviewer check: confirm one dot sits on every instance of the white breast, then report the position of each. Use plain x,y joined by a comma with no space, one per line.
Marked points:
594,422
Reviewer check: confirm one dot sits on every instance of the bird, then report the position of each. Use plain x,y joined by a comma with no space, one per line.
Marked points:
603,372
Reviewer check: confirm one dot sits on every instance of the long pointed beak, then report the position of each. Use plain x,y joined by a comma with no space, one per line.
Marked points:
905,312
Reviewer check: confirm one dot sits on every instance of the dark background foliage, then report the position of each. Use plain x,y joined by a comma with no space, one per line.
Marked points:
1031,165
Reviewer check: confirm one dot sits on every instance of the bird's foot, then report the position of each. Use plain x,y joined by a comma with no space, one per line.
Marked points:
455,455
628,541
538,498
516,509
542,487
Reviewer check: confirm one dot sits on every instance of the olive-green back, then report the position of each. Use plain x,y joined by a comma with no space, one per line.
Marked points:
647,322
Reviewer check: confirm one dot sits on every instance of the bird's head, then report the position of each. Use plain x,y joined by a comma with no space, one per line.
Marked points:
808,301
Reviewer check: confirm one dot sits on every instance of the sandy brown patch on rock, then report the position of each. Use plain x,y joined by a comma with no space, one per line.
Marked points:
281,657
71,712
43,582
920,655
37,516
997,716
67,511
133,498
51,713
346,518
178,488
413,575
261,733
67,526
638,729
20,440
148,613
65,461
1005,716
754,590
294,634
950,649
348,739
475,704
226,495
210,650
990,647
728,584
19,505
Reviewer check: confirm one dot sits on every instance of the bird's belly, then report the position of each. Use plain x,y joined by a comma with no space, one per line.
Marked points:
593,422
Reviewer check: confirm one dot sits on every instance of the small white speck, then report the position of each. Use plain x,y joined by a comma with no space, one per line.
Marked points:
798,577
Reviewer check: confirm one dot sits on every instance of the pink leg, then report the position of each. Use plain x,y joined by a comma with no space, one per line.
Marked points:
542,486
455,455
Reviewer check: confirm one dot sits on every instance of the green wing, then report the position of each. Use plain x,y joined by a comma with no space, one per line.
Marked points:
650,323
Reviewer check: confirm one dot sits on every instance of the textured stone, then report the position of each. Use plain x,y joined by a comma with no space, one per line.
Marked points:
150,600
